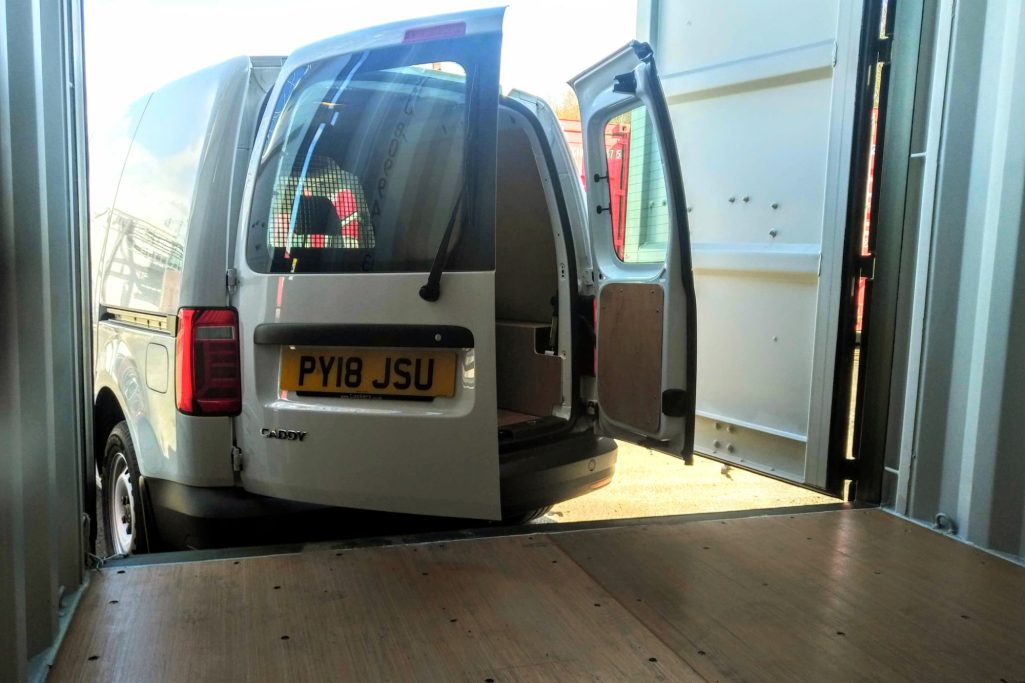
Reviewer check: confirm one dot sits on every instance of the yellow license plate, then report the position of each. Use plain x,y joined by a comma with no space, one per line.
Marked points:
386,372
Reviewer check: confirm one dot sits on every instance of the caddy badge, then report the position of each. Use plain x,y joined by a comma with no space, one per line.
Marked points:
288,434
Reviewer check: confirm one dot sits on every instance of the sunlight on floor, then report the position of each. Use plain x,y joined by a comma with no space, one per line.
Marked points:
648,483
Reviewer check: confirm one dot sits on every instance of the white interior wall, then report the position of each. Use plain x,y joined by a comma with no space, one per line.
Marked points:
762,98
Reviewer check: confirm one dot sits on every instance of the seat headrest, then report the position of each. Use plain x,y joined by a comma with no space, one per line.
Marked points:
316,216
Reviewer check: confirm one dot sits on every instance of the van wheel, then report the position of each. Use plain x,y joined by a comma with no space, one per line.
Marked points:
524,516
122,497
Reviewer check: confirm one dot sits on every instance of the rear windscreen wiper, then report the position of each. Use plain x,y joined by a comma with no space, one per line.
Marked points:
431,291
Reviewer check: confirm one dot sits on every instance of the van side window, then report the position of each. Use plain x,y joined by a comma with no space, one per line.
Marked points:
363,167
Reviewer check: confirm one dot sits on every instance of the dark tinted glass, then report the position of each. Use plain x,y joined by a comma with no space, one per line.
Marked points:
363,168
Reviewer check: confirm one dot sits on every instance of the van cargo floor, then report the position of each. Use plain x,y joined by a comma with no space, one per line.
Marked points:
849,595
510,417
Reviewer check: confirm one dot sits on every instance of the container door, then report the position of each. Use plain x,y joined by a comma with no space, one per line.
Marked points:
764,106
640,248
365,274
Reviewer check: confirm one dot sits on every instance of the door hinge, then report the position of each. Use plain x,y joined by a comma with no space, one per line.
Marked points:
231,279
867,267
849,470
236,459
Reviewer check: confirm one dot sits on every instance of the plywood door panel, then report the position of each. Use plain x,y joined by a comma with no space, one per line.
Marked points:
630,354
527,381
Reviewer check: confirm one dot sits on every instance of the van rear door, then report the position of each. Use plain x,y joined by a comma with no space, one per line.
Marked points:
374,166
640,249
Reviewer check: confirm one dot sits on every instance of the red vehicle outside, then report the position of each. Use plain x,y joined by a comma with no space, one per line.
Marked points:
617,149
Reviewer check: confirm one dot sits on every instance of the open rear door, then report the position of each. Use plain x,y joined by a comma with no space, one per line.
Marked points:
640,248
367,383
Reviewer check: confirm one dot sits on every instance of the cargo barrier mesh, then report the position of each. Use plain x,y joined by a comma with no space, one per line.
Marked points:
332,212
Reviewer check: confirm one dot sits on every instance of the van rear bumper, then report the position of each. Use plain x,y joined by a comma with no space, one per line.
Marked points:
555,471
181,516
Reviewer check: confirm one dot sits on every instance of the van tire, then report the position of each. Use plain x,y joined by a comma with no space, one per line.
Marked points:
123,522
516,518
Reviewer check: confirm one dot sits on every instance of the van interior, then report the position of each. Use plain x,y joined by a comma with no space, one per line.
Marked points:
529,368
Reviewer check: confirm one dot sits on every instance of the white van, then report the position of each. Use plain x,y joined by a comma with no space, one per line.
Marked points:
360,277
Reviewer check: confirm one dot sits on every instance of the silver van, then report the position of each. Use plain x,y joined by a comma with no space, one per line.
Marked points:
361,277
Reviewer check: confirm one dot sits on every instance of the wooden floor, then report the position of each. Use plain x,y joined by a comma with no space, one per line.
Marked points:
853,595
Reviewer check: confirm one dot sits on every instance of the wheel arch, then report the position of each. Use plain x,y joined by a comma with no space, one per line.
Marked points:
107,412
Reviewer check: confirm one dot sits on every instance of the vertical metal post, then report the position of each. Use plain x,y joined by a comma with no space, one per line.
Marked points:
923,251
44,357
12,529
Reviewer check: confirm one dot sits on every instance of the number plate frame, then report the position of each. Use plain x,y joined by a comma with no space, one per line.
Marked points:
358,371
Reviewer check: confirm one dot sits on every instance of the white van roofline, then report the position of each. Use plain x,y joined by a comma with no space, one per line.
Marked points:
475,22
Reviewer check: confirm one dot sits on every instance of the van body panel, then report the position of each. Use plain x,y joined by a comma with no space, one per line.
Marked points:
372,454
168,445
262,76
105,171
163,246
202,278
171,193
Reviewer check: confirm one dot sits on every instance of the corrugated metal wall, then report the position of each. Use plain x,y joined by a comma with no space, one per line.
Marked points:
967,450
44,383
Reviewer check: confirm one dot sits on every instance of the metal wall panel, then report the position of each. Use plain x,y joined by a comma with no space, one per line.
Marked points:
963,448
44,337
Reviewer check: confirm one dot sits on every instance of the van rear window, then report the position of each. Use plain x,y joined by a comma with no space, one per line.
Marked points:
362,169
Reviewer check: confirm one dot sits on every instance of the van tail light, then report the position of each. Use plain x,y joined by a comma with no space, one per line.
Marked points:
207,366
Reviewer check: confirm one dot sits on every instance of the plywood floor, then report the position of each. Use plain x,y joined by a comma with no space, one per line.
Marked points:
854,595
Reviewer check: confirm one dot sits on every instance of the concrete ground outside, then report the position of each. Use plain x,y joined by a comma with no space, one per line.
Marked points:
648,483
